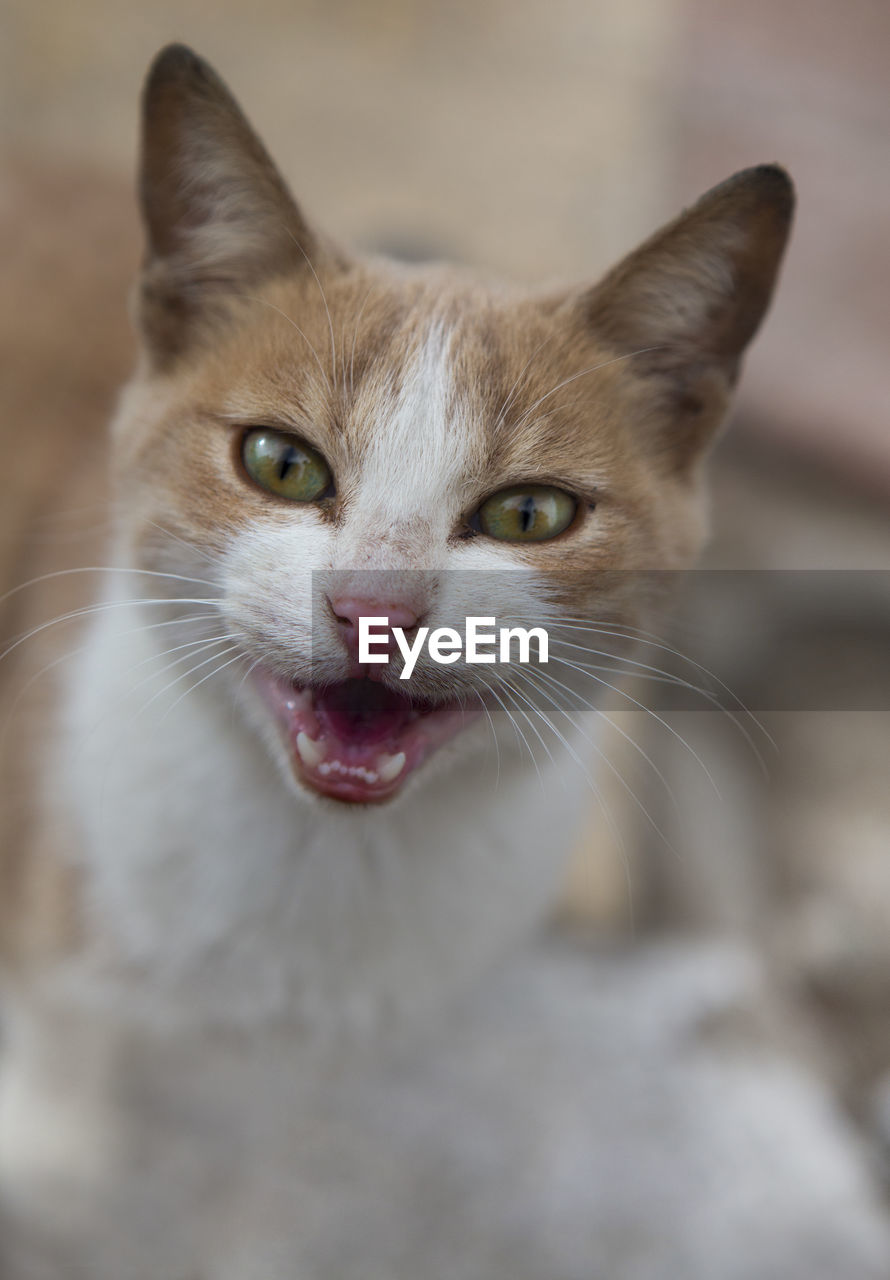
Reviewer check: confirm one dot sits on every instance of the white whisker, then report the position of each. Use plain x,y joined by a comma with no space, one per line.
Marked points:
89,610
183,675
614,770
264,302
361,312
585,773
519,731
102,568
513,390
190,547
604,364
324,300
74,653
239,657
622,693
676,682
494,735
652,640
194,646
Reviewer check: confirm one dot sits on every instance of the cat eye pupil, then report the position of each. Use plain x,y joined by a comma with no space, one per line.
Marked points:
526,513
286,463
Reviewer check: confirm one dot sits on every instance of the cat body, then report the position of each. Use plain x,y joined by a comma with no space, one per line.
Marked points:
260,909
421,390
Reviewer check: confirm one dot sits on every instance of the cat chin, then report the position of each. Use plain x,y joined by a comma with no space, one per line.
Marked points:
356,741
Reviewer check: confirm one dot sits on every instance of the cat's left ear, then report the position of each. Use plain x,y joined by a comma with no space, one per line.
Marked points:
218,216
684,306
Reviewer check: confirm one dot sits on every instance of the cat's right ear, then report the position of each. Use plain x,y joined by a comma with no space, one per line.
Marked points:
218,216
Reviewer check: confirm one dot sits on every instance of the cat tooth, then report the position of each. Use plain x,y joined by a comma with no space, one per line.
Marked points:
310,751
389,767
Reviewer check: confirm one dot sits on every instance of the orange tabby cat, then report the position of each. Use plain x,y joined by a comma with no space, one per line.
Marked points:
239,873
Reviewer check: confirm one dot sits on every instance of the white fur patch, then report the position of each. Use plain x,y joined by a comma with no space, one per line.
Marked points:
417,453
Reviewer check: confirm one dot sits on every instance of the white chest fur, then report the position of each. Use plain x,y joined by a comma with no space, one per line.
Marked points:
214,890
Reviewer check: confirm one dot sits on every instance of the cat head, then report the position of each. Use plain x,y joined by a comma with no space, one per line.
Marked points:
324,436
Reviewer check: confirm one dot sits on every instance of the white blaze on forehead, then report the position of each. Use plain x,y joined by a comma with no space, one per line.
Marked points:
420,441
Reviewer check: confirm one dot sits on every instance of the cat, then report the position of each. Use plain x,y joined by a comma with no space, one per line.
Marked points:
273,1001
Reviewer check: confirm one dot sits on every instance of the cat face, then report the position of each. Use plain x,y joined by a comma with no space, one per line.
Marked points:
318,438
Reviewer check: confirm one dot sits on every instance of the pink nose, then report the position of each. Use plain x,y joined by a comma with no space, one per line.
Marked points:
349,609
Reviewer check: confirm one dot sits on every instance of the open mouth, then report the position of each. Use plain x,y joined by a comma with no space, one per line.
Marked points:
357,740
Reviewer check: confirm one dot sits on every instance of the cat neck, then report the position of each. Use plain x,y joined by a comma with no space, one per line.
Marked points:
216,894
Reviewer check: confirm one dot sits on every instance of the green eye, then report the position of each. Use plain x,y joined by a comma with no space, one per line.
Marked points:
285,466
527,513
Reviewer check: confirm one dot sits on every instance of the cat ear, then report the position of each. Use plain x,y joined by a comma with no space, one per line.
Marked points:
218,216
691,298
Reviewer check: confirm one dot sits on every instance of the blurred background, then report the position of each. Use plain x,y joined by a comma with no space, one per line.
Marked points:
540,142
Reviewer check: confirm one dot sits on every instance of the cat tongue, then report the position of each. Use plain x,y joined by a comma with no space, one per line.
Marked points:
358,740
361,712
364,743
